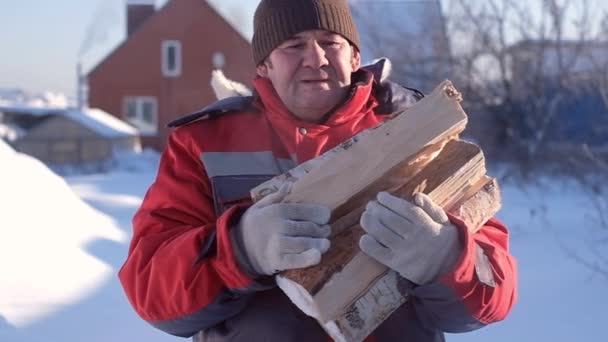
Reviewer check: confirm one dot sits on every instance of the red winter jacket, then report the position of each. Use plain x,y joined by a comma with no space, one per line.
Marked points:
181,274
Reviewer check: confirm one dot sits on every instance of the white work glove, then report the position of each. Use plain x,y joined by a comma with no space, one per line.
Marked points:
415,239
275,236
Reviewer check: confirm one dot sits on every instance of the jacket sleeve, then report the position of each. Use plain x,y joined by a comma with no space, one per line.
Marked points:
181,274
481,289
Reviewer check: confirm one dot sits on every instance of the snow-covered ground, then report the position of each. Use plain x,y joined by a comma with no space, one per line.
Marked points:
559,299
64,239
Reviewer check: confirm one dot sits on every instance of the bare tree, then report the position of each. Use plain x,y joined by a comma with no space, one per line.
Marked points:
520,64
411,33
593,228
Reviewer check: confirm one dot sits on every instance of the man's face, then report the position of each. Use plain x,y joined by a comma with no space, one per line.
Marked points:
311,72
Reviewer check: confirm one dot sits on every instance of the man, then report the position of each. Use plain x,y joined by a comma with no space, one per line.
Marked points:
202,256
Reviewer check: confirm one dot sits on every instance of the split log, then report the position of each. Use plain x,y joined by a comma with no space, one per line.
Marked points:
349,293
432,121
449,173
383,294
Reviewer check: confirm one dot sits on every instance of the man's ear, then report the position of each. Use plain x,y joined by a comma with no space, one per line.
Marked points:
355,62
262,70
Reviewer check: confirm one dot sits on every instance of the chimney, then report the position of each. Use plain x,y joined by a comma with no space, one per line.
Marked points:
138,11
82,88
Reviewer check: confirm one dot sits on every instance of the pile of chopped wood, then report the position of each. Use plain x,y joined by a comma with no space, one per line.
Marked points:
419,150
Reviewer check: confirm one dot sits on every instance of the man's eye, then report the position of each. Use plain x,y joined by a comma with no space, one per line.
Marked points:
331,44
295,46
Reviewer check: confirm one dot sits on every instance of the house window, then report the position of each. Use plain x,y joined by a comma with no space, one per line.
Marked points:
141,112
171,58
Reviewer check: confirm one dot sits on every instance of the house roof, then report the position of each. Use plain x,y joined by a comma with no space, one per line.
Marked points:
25,109
575,55
393,25
94,119
103,123
159,12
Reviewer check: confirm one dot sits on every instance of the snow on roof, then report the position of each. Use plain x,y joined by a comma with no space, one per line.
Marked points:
239,18
101,122
21,98
37,104
95,119
30,110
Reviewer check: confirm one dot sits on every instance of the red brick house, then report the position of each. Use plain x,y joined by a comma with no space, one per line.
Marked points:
163,68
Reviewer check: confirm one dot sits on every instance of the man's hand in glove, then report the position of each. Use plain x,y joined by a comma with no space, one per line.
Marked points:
415,239
273,236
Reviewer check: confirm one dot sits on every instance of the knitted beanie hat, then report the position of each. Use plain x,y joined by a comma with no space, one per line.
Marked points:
275,21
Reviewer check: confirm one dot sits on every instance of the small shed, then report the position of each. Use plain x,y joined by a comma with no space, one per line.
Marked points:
73,136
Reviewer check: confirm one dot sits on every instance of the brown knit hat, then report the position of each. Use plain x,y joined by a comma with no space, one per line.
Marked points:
278,20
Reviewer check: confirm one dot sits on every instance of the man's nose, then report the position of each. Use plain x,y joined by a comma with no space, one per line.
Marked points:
314,56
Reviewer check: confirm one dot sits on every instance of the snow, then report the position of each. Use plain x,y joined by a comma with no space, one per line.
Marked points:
10,132
101,122
95,119
35,219
59,255
47,103
64,239
559,300
5,150
21,108
43,100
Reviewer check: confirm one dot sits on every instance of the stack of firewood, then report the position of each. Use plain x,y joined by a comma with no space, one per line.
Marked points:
418,150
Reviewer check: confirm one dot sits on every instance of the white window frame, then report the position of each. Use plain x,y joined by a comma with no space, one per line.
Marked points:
177,46
144,127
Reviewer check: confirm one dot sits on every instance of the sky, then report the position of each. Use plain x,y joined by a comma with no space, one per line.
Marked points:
45,39
65,238
42,41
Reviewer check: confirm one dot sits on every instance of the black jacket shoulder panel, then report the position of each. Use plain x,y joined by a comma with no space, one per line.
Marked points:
394,98
227,105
